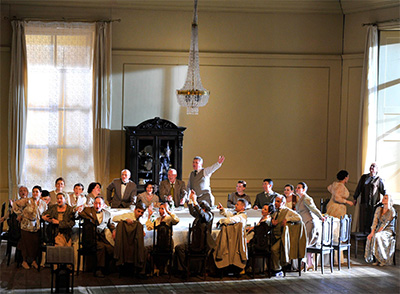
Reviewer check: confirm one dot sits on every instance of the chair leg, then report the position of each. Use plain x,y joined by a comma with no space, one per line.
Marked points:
299,265
252,265
322,262
339,261
9,250
331,259
356,248
348,257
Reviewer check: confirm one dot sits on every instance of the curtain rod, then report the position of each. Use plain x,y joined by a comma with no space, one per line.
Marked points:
379,22
61,19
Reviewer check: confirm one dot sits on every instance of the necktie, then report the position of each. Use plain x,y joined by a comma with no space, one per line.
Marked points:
172,191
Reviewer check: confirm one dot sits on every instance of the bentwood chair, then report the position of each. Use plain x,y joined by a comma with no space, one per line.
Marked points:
343,242
326,246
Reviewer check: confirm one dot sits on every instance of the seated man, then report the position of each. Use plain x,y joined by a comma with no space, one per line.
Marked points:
231,243
203,219
281,216
232,198
129,239
101,218
121,192
62,217
173,189
267,196
170,219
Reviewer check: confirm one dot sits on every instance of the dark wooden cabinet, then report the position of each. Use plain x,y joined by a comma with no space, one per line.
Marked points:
152,148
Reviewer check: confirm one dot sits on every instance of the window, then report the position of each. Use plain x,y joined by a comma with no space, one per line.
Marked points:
388,111
59,136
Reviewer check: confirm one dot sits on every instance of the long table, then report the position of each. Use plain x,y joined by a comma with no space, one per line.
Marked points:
180,231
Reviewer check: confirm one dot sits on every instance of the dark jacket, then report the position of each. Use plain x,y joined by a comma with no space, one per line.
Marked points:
65,226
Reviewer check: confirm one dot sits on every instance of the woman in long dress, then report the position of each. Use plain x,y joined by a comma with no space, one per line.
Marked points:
29,211
380,242
337,205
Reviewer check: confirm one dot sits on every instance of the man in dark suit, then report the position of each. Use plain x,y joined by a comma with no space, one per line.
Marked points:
173,188
124,191
104,232
203,218
266,197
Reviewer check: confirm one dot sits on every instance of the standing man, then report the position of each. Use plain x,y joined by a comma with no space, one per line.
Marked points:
266,197
233,197
369,187
173,188
199,179
124,191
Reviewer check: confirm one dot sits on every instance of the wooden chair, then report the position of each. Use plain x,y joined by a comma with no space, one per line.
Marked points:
199,250
344,239
14,234
61,259
47,236
394,236
324,204
3,235
163,247
87,243
359,236
301,253
325,246
260,246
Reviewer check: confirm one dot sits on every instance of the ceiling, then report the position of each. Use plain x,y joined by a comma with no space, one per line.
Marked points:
295,6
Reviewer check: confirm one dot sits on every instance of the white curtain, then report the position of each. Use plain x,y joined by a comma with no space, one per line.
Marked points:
17,107
102,102
368,110
59,137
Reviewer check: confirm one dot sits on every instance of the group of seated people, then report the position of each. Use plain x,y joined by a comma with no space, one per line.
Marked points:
62,209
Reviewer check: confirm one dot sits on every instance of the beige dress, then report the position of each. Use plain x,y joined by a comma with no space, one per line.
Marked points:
337,205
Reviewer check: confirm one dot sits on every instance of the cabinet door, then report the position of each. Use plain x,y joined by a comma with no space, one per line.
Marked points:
146,160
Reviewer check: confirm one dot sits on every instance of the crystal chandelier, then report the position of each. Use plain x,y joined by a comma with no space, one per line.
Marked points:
193,95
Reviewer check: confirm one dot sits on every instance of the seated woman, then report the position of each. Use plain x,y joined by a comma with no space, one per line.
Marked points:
291,197
29,211
93,190
381,242
148,197
337,205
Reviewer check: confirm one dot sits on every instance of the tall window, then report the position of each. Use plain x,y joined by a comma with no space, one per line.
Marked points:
388,111
59,137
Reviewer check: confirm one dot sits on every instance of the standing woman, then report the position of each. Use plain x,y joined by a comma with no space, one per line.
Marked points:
337,205
148,197
29,211
381,243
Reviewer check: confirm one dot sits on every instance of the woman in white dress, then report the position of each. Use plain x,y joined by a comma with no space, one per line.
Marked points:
291,197
337,205
381,241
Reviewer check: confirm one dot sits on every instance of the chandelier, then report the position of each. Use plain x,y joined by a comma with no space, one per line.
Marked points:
193,95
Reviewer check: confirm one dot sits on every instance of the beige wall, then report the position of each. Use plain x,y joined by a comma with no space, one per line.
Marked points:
284,104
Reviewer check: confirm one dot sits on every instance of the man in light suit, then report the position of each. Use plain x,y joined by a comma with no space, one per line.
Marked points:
173,188
280,217
124,191
101,219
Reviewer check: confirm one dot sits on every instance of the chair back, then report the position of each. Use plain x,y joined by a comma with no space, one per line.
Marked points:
47,232
345,229
163,235
197,238
14,228
324,204
3,210
87,235
327,232
262,238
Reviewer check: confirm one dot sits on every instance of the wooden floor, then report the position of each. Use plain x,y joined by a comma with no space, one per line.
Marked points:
361,278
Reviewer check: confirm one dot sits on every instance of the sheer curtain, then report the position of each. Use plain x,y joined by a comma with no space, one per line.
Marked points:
17,107
102,102
59,136
368,110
